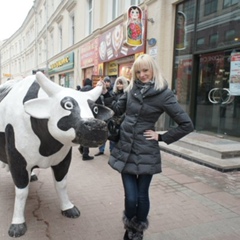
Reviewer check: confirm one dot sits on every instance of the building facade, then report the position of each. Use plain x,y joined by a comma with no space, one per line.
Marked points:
196,43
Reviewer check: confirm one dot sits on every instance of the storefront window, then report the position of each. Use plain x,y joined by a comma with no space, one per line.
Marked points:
183,53
215,18
209,44
218,107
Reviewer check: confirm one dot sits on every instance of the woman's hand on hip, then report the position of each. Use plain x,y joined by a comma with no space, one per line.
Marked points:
150,135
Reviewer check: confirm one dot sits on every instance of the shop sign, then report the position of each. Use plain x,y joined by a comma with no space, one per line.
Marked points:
234,83
112,45
112,69
181,31
65,63
7,75
153,51
89,54
134,27
96,78
125,70
100,69
138,54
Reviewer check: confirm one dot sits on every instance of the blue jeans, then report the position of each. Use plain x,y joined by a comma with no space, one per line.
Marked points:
111,146
136,189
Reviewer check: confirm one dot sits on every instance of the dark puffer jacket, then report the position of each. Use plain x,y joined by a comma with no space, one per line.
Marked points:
133,153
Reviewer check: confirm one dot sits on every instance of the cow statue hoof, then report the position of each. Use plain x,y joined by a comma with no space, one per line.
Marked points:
33,178
17,230
71,213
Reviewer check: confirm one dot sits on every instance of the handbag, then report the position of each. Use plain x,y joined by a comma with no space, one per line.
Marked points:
114,128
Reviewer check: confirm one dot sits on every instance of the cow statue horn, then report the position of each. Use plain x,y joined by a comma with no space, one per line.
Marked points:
47,85
52,88
94,93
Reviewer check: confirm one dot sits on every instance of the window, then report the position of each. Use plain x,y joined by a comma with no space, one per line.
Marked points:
210,6
200,42
189,10
213,39
20,45
60,38
52,45
136,2
45,50
230,35
20,66
72,30
228,3
40,52
40,19
90,16
115,9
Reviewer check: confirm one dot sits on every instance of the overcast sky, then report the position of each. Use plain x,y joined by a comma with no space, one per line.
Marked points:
12,15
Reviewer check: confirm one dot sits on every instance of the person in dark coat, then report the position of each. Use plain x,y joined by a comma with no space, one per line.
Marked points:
106,99
136,156
120,84
85,150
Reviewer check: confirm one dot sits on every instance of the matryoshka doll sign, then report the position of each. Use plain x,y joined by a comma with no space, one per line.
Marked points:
134,26
180,31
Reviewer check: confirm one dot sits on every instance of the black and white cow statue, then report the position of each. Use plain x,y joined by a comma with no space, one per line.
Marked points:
40,121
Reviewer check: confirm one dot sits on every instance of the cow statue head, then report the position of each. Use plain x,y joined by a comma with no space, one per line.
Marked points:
72,117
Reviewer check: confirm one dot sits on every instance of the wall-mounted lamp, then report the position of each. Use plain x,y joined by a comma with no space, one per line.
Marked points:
150,20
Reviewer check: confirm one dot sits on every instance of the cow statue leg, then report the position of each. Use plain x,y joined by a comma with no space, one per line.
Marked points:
68,209
60,175
18,226
33,177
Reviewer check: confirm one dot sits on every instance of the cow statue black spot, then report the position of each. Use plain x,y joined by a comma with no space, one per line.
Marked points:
40,121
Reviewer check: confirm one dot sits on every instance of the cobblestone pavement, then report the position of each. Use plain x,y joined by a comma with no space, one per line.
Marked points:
188,202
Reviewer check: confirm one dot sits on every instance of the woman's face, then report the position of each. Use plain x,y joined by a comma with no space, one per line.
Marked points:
119,86
144,74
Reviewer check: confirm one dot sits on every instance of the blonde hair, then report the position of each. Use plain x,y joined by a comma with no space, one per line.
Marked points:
124,82
146,61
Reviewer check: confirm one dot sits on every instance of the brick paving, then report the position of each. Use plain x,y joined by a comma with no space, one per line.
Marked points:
188,202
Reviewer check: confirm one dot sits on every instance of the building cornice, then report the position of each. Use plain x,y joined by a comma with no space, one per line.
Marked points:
59,18
71,5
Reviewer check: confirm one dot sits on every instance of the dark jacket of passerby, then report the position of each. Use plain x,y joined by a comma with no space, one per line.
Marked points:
85,150
87,85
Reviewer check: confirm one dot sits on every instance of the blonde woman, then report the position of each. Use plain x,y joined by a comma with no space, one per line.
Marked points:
136,156
119,87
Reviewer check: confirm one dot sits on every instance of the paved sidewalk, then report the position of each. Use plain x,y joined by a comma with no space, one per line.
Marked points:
188,202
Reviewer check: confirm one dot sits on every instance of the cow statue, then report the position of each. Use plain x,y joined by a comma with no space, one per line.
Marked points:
40,122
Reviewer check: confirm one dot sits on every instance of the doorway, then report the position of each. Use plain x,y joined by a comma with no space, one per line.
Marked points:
217,110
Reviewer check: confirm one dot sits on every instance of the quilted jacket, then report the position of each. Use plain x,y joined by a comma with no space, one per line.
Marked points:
133,153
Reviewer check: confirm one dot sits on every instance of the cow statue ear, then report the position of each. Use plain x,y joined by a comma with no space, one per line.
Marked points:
38,108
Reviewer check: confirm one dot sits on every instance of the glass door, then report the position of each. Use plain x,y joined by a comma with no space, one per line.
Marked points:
217,109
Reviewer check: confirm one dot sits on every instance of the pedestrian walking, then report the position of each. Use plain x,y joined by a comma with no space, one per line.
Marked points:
106,98
119,87
136,156
82,149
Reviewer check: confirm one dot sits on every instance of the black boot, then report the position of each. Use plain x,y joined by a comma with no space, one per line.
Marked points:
139,228
80,149
129,230
87,157
125,237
